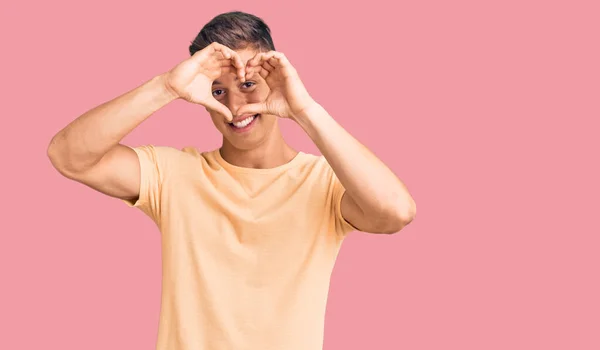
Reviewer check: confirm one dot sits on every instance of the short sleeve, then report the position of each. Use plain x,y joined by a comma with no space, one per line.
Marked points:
150,182
342,226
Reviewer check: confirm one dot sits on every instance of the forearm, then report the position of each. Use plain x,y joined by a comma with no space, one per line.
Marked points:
371,184
84,141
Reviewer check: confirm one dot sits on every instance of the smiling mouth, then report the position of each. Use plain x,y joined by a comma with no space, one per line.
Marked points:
242,124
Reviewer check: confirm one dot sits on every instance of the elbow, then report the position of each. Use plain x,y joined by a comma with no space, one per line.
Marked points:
53,154
397,217
59,159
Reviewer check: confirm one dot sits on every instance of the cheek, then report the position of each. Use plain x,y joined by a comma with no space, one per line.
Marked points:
268,120
218,121
213,117
258,95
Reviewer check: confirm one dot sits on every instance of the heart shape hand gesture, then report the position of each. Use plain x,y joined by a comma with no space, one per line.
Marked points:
288,97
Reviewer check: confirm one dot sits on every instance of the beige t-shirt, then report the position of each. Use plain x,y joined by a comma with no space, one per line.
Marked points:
247,253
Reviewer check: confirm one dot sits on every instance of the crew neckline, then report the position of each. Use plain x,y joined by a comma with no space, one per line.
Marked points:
297,158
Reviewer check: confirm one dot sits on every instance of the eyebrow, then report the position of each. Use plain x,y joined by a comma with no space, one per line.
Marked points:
216,82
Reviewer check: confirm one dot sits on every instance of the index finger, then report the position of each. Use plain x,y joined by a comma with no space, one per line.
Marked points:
236,60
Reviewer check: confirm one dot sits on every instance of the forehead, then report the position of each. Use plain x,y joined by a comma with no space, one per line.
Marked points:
246,54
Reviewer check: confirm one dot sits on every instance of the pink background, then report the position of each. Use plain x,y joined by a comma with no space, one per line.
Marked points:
489,112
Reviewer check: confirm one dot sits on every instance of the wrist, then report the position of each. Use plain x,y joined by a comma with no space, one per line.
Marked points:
308,112
165,92
313,119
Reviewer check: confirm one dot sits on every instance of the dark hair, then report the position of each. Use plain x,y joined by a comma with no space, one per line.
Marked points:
236,30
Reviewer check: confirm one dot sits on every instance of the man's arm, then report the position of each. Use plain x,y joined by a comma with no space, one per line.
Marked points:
375,200
88,149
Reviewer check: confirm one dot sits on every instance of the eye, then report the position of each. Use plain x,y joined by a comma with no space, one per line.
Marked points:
215,92
249,84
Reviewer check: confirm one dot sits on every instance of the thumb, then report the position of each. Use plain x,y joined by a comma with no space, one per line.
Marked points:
220,108
253,108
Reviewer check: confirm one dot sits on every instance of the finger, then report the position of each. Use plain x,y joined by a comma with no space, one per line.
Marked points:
268,60
252,108
259,58
229,69
251,72
252,69
213,104
237,62
276,61
235,58
214,50
230,57
268,66
226,63
224,50
264,63
212,59
254,61
264,73
219,55
279,60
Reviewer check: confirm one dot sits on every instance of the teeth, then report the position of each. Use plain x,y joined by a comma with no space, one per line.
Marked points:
244,122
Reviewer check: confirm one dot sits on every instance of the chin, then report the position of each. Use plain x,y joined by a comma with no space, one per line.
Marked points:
247,141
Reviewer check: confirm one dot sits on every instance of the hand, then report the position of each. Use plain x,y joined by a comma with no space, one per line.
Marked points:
192,79
288,96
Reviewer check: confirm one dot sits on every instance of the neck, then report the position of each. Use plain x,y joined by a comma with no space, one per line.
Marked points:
271,153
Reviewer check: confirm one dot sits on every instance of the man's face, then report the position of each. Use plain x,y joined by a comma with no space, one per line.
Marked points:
246,132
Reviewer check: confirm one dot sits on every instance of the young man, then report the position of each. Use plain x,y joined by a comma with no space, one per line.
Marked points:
250,231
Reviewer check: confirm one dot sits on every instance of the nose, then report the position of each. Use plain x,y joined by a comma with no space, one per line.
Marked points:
234,100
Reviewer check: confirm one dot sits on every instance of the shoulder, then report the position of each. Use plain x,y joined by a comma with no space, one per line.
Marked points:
317,164
168,158
170,152
321,170
315,170
157,150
